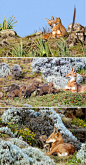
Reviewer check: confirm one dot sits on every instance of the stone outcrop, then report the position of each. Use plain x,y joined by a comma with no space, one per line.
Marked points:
12,154
77,35
77,27
4,70
81,154
7,33
16,70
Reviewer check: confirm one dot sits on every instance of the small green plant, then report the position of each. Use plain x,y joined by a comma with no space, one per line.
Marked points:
10,22
26,134
19,51
7,24
3,26
63,50
0,120
73,161
78,122
43,48
2,104
82,71
83,48
37,74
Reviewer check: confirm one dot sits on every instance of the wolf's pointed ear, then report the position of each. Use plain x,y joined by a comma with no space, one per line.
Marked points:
75,70
71,68
52,18
55,130
47,20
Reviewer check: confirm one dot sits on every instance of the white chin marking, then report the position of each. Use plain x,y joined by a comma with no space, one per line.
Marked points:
51,140
73,88
67,87
58,32
54,32
54,25
63,154
72,79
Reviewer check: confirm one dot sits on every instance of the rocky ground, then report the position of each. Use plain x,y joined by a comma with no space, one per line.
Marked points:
31,45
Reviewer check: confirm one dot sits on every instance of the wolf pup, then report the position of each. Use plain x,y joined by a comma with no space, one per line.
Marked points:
45,145
16,92
31,89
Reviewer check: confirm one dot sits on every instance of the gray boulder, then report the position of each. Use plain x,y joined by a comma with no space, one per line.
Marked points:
16,70
4,70
76,27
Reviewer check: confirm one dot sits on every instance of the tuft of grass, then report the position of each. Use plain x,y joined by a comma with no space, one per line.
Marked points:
19,50
42,48
63,50
7,24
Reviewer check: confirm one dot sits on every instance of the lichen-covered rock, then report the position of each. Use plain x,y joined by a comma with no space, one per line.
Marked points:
76,27
7,130
19,142
11,154
12,114
16,70
4,70
7,33
81,154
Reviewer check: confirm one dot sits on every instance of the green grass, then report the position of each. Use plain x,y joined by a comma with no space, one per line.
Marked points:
60,99
68,160
7,24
